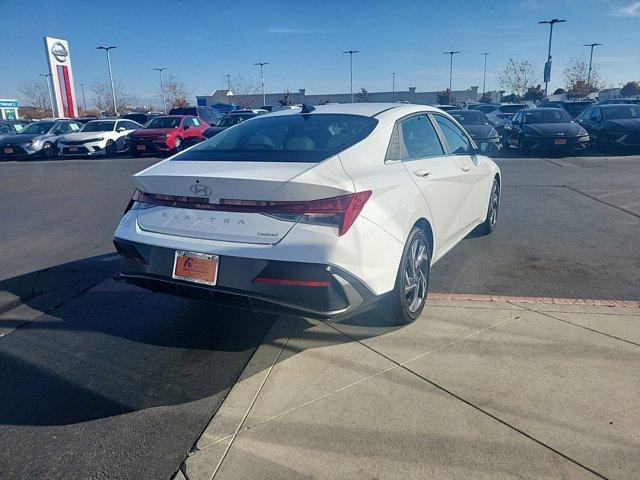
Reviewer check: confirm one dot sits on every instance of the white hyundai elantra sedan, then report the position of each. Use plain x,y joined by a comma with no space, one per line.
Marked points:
320,212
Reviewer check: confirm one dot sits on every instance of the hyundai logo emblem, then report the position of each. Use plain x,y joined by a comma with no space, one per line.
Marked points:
59,52
200,190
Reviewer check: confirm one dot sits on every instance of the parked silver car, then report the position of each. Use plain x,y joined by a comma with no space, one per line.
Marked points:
499,113
38,139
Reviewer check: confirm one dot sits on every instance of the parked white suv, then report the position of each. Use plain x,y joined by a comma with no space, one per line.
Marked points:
98,137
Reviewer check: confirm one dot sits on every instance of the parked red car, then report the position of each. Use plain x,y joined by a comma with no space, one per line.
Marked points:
166,133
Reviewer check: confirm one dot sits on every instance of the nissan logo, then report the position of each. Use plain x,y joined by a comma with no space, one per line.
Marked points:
59,52
200,190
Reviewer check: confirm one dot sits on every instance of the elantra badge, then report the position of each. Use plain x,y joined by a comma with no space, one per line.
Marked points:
200,190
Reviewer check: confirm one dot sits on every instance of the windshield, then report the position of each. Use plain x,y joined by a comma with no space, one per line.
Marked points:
511,108
98,126
616,113
549,115
284,138
231,120
576,108
38,127
164,122
470,117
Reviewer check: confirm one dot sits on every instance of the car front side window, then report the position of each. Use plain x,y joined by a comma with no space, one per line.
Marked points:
456,139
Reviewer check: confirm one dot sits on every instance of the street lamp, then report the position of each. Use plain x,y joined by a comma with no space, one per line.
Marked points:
590,59
484,76
262,64
450,68
351,52
547,66
393,85
228,89
164,100
84,100
46,79
113,89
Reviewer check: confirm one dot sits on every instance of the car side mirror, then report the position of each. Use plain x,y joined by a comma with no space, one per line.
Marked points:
121,129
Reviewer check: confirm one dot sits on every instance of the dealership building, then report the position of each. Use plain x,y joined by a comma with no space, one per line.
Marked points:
410,95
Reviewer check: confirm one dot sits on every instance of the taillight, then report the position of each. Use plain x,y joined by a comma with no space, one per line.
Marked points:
339,212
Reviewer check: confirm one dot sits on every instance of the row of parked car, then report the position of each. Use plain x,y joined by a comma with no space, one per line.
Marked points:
136,133
555,125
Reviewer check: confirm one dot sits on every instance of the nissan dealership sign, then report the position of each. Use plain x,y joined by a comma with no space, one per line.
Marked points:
63,91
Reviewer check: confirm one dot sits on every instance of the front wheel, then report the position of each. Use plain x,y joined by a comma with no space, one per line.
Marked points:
48,150
405,303
489,224
177,145
110,149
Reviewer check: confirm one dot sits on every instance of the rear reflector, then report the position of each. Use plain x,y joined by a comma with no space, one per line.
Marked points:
292,282
338,212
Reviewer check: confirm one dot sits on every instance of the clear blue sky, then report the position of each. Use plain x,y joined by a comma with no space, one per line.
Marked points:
201,41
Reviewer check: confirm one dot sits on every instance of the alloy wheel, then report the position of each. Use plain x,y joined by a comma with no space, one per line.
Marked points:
416,275
495,203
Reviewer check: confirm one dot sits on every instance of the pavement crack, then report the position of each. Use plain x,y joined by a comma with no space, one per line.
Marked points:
622,209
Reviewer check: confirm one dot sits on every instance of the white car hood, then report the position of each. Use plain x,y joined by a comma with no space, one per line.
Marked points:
80,136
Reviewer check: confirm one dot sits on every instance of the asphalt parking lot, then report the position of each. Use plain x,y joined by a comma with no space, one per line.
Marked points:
112,381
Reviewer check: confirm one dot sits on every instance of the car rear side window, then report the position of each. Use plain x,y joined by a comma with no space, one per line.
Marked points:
284,138
418,138
456,139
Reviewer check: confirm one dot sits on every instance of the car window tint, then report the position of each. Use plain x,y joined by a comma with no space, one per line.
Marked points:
456,139
5,129
419,138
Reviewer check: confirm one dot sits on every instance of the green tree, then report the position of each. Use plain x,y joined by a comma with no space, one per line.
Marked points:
445,97
534,94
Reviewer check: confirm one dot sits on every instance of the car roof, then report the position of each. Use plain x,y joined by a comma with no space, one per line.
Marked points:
614,105
365,109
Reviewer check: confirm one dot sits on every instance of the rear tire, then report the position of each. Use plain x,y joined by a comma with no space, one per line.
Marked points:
177,145
48,150
489,224
404,304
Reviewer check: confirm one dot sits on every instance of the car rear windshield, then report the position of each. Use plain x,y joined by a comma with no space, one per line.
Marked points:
469,117
231,120
284,138
38,127
547,115
511,108
620,112
98,126
164,122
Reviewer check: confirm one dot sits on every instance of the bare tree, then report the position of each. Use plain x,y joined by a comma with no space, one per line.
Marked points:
445,97
244,91
363,96
630,89
287,99
517,76
176,92
576,74
103,98
36,94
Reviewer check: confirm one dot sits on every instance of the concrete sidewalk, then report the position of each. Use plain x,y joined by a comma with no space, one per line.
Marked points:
473,389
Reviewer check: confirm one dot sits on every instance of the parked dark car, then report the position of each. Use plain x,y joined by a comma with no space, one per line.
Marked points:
206,114
228,120
84,120
140,117
479,128
573,108
12,126
626,101
613,125
446,108
544,129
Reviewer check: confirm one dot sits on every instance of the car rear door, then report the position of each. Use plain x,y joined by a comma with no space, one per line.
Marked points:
435,173
473,175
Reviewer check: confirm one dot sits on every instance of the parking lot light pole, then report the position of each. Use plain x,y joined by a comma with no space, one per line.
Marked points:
46,79
262,64
351,52
547,77
393,86
451,54
590,59
84,100
164,100
484,75
113,89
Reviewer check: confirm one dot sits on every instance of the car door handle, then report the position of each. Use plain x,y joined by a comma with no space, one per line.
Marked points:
465,168
422,173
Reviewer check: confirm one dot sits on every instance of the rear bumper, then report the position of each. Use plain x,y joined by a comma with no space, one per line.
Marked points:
150,145
340,295
85,149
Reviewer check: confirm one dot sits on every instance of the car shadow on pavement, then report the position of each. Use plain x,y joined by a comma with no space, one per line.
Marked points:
113,348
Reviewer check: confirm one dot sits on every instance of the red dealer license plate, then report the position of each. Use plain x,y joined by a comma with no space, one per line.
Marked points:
196,267
561,141
8,150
